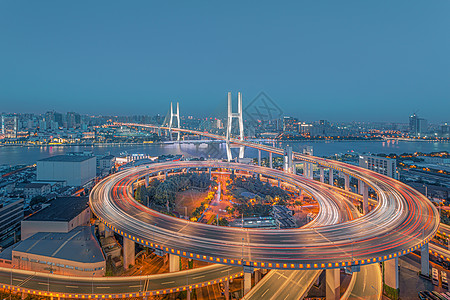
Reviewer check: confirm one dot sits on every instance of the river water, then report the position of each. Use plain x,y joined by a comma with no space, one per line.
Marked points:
12,155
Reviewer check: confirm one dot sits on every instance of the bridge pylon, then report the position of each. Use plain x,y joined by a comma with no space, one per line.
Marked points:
172,116
234,115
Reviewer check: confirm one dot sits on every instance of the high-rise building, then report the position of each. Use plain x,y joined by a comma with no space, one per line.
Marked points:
290,124
382,165
9,126
73,120
417,126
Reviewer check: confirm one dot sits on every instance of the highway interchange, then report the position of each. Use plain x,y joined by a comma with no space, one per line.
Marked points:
402,221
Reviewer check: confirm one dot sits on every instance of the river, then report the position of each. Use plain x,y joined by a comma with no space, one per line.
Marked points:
12,155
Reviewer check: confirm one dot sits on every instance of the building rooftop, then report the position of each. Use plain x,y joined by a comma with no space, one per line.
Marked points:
62,209
77,245
7,201
35,185
110,156
67,158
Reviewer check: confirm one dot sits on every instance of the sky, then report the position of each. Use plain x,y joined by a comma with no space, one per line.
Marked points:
335,60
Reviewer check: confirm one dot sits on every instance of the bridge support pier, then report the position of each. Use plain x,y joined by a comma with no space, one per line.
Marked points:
259,157
425,260
347,182
227,289
279,183
174,263
270,160
257,276
365,194
391,273
247,282
128,253
330,177
322,175
108,232
360,186
333,284
147,180
188,294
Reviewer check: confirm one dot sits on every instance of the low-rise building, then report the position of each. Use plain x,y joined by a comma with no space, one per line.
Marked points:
436,160
31,190
74,169
62,215
283,216
75,253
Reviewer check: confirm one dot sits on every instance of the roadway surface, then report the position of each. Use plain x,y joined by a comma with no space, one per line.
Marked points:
119,287
402,222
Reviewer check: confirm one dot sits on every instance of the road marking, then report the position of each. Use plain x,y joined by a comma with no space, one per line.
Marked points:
167,282
17,279
43,283
286,296
224,271
135,286
102,287
199,277
72,286
264,293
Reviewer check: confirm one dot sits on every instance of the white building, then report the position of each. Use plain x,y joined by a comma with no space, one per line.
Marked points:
76,170
436,160
382,165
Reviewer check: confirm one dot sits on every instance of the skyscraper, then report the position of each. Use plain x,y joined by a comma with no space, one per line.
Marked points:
417,126
9,126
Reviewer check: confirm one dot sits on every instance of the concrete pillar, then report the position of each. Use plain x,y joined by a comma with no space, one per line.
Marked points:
279,183
333,284
128,253
360,186
209,171
165,174
247,282
330,177
227,289
174,263
108,232
347,182
365,198
101,227
270,160
322,175
425,260
257,276
259,157
147,180
391,273
188,296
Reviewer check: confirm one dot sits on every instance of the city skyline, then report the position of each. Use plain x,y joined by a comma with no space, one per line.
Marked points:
310,59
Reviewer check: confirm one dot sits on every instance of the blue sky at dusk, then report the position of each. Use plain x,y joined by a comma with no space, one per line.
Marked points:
335,60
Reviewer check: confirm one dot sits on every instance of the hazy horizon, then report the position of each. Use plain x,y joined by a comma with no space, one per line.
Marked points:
115,58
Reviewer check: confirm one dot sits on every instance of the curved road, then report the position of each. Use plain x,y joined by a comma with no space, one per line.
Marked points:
402,222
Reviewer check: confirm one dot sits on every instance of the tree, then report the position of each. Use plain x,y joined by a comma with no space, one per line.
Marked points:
37,200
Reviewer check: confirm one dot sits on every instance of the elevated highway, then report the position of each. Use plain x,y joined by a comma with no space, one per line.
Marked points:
403,221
